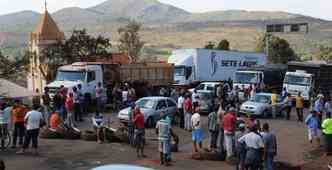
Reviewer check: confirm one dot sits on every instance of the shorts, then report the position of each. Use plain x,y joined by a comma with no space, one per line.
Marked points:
197,135
164,146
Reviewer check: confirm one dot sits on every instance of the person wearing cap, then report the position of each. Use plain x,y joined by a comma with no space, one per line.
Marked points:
163,130
240,148
229,131
270,146
327,131
213,127
312,123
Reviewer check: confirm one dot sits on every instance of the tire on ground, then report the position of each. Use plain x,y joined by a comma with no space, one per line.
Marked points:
89,135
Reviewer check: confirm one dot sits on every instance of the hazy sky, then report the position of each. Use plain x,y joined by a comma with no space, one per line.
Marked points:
315,8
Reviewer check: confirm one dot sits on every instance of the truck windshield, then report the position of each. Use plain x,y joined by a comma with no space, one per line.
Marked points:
245,78
70,76
297,80
179,71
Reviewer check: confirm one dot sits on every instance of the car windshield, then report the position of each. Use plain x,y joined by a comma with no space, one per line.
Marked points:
70,76
262,99
297,80
245,78
179,71
146,104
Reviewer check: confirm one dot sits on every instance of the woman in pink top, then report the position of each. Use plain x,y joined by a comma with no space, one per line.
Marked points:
69,107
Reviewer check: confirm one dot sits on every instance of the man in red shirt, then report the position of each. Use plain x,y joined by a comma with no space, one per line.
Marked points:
229,123
139,132
187,112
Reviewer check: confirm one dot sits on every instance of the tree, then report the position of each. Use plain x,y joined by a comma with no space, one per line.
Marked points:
223,45
12,68
279,49
82,46
324,53
130,40
209,45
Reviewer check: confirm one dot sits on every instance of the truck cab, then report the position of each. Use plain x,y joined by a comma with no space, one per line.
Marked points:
77,73
243,79
299,81
183,75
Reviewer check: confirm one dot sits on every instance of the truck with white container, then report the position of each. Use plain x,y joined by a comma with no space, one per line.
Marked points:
206,65
89,74
308,78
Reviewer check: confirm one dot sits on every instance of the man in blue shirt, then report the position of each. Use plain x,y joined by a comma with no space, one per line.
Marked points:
163,129
313,126
319,106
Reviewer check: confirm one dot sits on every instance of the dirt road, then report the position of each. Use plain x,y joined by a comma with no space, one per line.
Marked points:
83,155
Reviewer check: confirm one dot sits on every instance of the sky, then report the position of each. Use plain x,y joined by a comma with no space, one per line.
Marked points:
315,8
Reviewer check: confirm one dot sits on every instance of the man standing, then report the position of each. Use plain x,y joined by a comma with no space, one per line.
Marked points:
180,110
240,148
83,102
327,131
213,126
270,146
274,105
288,104
229,131
197,133
313,126
46,105
221,113
4,121
163,130
33,121
70,108
299,103
254,143
77,105
131,128
139,132
99,104
319,107
18,112
187,110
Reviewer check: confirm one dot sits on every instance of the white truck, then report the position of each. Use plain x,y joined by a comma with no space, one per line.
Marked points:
78,73
202,65
299,81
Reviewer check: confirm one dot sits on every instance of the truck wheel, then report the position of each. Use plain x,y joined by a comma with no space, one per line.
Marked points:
149,122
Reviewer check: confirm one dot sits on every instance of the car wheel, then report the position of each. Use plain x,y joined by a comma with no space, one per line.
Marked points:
149,122
265,114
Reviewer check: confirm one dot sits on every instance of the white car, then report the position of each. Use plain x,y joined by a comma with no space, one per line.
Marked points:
206,86
151,107
261,105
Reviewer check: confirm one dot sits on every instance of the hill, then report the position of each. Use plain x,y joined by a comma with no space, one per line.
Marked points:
165,27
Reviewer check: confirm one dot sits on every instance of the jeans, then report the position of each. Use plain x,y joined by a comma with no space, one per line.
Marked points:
229,143
19,131
268,162
187,121
131,134
221,139
31,135
213,136
47,114
299,112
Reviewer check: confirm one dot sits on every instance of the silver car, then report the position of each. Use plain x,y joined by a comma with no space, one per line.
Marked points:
151,107
261,105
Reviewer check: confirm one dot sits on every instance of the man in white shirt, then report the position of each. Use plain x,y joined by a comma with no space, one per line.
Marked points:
33,121
197,133
180,110
254,143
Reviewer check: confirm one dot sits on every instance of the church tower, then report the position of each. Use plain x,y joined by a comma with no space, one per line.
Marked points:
46,34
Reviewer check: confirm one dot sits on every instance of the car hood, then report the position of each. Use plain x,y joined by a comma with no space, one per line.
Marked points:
143,110
66,84
253,104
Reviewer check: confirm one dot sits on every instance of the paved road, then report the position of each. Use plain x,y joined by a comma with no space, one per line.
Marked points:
82,155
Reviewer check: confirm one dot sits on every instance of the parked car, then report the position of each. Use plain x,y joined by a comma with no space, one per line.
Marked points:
261,105
151,107
206,101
